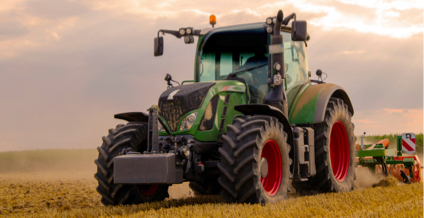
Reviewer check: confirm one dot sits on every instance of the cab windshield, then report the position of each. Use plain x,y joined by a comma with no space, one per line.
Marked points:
245,54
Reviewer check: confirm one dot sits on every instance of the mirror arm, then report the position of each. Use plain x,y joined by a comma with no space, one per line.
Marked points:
197,32
288,18
175,82
172,32
176,33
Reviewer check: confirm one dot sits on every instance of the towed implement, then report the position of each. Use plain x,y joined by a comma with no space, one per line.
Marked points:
400,162
249,121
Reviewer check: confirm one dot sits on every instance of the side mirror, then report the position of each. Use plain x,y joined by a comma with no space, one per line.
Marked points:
158,49
299,31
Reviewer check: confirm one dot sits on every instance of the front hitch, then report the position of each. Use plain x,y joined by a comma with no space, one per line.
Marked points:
153,166
152,136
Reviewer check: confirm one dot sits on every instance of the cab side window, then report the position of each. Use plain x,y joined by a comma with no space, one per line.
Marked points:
296,63
296,66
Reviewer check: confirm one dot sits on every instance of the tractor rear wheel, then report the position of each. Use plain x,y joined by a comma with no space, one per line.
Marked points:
335,151
133,135
255,163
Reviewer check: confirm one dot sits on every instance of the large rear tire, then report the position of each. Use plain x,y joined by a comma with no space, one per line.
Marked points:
335,152
255,163
133,135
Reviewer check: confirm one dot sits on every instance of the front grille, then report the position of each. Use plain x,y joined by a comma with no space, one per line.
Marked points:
177,101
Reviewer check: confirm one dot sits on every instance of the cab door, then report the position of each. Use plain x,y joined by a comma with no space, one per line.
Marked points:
296,66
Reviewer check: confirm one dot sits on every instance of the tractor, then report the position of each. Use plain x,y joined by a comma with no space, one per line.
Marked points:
250,123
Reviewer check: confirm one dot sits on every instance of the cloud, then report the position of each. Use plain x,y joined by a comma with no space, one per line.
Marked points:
376,17
388,120
353,52
53,9
12,29
391,111
386,5
336,16
364,121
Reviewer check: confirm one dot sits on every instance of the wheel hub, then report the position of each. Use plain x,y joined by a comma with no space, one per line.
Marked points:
339,151
264,167
271,163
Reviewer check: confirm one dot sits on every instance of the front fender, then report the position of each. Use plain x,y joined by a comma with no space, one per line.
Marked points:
133,116
310,107
264,109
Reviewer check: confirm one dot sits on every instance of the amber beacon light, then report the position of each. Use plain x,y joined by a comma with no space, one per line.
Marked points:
212,20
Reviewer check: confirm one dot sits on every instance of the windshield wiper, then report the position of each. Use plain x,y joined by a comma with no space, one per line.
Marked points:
242,70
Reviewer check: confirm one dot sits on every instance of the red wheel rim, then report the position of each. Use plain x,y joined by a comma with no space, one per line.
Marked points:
147,190
272,181
339,151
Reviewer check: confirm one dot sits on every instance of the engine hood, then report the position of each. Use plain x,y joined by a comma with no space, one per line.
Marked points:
177,101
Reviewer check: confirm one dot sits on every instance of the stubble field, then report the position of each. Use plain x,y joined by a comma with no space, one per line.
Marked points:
60,183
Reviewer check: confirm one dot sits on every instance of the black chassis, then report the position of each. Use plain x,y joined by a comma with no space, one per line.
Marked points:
175,159
168,159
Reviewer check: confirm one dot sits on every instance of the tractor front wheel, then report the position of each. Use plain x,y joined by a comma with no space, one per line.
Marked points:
133,135
255,163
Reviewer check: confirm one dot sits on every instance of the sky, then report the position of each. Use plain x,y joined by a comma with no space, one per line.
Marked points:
67,66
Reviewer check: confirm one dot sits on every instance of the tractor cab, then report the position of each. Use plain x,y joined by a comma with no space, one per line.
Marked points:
243,52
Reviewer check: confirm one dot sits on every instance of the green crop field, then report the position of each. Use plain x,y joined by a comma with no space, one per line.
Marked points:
60,183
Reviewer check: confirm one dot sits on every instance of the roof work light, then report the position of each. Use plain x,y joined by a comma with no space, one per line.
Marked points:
212,20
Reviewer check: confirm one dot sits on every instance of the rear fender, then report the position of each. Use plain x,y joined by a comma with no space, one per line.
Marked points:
310,107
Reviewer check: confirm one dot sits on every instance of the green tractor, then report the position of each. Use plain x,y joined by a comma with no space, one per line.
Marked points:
249,122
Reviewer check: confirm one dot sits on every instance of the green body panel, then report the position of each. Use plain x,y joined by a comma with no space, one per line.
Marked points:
373,162
373,153
302,109
400,162
294,94
236,90
310,105
293,97
399,145
409,160
377,153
